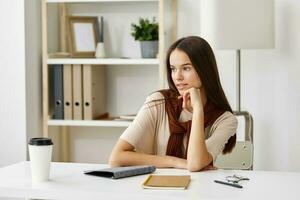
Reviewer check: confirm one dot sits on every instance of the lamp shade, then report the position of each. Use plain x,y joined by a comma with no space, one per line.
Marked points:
238,24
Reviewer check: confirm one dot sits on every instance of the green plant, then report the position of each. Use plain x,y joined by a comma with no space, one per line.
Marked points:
145,30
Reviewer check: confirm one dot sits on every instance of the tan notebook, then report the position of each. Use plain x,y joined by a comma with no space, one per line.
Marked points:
173,182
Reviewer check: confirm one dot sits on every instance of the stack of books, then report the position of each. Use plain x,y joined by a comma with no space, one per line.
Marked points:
77,92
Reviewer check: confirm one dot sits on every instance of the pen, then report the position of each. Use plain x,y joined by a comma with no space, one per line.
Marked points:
230,184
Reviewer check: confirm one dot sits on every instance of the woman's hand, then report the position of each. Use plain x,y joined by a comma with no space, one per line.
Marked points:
191,99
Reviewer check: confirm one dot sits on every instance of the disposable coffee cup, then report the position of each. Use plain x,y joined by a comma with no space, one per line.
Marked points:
40,153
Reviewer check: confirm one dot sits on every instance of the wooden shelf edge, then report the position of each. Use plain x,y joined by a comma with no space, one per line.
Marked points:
88,1
106,61
88,123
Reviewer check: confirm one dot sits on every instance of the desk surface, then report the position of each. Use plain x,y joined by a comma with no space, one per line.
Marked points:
67,181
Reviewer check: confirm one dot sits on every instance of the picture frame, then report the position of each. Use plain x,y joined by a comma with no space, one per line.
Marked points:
83,36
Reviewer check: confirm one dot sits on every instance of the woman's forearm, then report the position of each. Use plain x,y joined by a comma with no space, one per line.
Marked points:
197,155
127,158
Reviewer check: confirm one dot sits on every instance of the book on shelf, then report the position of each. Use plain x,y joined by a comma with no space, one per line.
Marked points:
77,92
57,97
59,55
94,92
67,91
174,182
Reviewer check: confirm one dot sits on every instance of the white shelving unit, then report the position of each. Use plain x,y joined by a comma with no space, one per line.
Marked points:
106,61
89,123
64,124
89,1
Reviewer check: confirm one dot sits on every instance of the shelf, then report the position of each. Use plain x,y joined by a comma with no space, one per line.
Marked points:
87,1
97,123
103,61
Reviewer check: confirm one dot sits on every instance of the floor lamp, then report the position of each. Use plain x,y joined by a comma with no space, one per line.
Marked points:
236,25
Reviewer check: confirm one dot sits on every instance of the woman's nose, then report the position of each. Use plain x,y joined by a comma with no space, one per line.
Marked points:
178,75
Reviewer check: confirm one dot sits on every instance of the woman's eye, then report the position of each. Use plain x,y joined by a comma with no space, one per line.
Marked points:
173,69
187,68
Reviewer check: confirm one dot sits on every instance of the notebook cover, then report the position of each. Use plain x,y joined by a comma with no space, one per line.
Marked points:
121,172
167,182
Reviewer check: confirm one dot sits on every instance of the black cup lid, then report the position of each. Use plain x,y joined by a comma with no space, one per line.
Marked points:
40,141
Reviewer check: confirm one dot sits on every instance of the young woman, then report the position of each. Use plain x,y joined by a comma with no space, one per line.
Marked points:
186,126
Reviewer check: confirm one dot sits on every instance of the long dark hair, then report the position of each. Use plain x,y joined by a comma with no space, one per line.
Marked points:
203,59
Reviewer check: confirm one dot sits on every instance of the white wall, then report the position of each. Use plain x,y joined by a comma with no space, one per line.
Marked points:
12,82
33,53
20,78
271,92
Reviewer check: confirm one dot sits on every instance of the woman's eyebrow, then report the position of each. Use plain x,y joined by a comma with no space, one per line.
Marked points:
186,64
181,64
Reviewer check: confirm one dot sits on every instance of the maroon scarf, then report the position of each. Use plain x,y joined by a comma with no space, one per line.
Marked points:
179,129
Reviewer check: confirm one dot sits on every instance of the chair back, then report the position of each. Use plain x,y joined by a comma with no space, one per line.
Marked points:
241,156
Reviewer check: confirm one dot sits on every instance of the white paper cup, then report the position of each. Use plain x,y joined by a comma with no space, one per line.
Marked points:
40,153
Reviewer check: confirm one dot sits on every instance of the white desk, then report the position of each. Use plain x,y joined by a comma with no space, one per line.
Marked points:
69,182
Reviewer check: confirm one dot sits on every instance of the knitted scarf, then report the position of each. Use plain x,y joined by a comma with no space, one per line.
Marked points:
179,129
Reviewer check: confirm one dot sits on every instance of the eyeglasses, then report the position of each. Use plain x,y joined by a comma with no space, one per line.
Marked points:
236,179
233,180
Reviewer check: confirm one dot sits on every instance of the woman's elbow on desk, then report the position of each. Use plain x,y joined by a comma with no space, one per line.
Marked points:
115,158
118,159
113,161
196,168
193,166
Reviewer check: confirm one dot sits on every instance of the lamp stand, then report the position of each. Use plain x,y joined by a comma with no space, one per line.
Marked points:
238,112
238,80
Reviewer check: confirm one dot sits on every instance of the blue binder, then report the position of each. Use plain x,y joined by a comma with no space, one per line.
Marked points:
56,71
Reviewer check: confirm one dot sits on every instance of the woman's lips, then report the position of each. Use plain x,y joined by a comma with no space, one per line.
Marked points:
181,86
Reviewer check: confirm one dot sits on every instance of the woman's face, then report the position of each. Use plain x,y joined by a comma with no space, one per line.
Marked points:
183,72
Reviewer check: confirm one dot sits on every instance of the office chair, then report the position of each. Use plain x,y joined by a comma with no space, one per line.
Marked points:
241,156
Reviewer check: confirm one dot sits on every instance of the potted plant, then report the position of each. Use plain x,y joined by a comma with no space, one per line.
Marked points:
146,32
